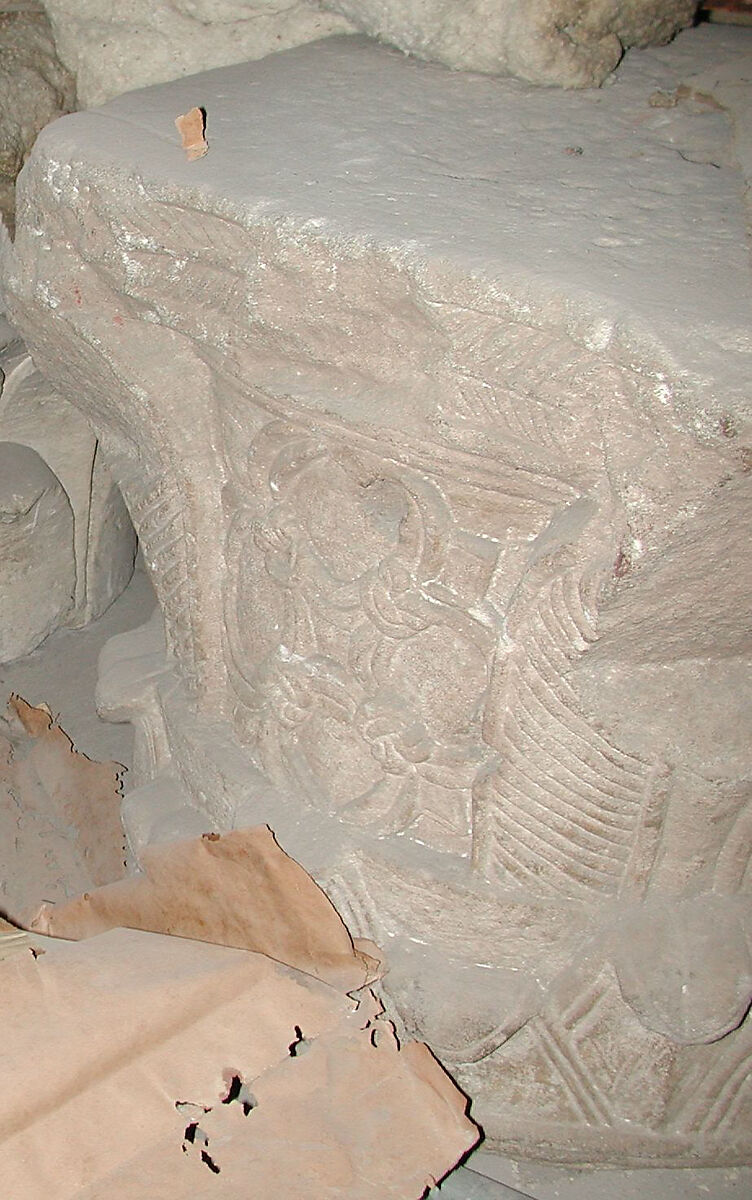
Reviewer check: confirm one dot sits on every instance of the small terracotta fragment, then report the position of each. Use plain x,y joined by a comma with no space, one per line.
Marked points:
191,127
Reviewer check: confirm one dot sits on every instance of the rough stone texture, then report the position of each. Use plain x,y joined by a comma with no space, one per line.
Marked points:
430,412
112,48
37,570
67,545
563,42
34,88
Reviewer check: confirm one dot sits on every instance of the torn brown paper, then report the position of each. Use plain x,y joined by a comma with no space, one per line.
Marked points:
139,1065
236,889
12,939
191,127
60,829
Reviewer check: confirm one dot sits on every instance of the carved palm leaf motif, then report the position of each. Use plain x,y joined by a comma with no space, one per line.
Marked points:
686,970
734,866
345,688
562,810
644,1077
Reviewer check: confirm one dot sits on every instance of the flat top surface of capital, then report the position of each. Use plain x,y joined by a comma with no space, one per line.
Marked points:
605,204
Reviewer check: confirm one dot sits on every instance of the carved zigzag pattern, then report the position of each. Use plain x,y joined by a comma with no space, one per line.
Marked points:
156,512
562,810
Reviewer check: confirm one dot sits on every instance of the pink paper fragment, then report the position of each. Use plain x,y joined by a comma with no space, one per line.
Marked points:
135,1064
60,829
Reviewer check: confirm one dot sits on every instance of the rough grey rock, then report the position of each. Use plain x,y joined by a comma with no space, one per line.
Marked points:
563,42
67,545
34,88
37,571
431,415
112,48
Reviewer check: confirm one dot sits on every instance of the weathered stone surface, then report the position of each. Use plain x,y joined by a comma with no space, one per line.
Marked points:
430,418
564,42
67,544
37,571
34,88
112,48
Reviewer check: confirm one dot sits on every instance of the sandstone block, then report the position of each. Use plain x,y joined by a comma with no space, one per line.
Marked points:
37,574
434,424
67,544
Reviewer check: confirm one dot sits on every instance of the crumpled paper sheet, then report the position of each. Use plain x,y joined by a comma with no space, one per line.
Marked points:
236,889
60,829
12,939
138,1065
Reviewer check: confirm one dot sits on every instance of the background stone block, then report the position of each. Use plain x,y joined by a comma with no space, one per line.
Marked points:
34,88
554,42
67,545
